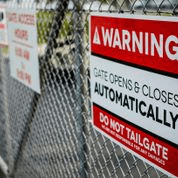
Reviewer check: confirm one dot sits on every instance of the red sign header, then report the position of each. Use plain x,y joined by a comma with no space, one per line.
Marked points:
147,43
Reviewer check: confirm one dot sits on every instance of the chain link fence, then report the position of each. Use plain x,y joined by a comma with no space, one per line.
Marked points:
50,135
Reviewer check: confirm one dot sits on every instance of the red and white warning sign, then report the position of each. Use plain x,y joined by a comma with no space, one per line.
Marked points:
23,49
134,85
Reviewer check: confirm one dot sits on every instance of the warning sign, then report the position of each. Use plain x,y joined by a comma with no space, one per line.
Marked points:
3,26
23,47
134,85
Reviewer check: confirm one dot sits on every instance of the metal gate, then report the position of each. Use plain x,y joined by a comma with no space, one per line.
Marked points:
50,135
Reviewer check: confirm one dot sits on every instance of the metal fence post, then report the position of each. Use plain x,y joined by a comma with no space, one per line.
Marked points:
6,113
80,77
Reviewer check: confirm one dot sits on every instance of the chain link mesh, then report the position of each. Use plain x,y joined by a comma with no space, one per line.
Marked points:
50,135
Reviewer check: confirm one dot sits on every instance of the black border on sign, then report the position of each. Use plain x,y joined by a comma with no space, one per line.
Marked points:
138,127
168,74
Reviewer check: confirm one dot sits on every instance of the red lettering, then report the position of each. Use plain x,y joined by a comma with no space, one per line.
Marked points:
22,75
26,19
22,53
26,55
12,17
21,34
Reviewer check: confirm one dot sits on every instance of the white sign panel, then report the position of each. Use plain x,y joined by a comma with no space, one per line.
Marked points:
134,85
137,98
22,34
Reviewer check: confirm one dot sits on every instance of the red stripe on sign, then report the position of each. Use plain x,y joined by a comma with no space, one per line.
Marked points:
148,43
2,26
146,145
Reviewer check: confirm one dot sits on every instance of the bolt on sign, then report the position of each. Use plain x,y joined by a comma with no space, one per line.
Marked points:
134,85
23,49
3,26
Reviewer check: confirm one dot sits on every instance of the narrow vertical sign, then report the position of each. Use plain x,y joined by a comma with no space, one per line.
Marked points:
3,25
134,85
22,35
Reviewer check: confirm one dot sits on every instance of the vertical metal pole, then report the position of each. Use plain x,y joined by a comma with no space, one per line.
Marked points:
80,88
7,122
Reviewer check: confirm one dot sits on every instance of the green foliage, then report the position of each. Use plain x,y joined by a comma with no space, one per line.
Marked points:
5,50
44,22
66,28
87,29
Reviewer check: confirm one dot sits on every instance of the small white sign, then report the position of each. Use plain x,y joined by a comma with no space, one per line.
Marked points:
23,48
3,25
